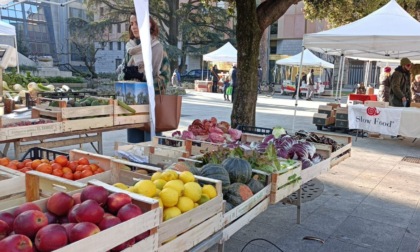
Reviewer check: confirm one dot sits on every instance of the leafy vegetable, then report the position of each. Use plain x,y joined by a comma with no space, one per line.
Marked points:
278,131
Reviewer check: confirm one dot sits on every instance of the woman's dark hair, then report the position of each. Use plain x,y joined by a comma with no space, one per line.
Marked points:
154,28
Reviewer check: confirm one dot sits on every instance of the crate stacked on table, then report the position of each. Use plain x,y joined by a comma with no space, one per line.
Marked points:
325,116
13,128
342,118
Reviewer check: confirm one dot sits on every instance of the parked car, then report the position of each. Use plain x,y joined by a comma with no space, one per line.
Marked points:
196,74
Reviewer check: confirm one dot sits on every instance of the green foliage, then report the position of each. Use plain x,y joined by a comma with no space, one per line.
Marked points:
13,77
60,79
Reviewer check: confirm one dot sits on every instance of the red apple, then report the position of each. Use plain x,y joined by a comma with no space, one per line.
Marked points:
129,211
108,221
51,217
25,207
8,218
82,230
76,198
72,214
89,211
116,201
96,193
51,237
142,236
62,220
123,246
16,243
60,203
5,229
68,227
29,222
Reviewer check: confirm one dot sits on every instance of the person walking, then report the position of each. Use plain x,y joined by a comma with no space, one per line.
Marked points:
400,95
214,74
226,84
311,85
300,84
233,76
384,87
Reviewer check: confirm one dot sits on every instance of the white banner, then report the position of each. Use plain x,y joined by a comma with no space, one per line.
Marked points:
380,120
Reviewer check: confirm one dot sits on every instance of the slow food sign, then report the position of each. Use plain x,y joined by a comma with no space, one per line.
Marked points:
381,120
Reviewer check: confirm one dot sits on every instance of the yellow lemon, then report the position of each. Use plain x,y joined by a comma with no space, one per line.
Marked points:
146,188
160,201
175,184
169,197
157,192
169,175
121,186
204,198
156,175
193,191
186,177
210,191
185,204
131,189
196,205
171,212
159,183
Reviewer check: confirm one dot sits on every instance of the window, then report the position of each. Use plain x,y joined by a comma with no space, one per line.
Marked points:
119,28
111,46
117,63
101,11
119,46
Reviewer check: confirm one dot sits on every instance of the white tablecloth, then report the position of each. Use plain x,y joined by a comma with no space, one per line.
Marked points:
389,121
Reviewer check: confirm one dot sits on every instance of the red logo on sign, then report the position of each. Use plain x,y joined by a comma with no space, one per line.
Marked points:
372,111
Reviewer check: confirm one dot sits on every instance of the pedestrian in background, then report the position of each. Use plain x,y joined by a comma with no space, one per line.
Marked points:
233,76
260,74
311,85
384,87
400,95
415,89
215,75
302,80
226,85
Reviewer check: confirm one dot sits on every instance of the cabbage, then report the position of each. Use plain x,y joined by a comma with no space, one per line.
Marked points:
214,129
306,163
298,151
187,135
261,147
216,138
316,158
235,134
176,133
269,138
278,131
310,147
286,144
283,153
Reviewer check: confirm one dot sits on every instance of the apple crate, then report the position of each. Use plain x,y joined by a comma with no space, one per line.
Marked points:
284,183
12,184
189,229
156,155
111,237
122,116
242,214
75,118
27,127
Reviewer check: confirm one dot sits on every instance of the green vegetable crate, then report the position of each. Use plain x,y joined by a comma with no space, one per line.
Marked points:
122,114
285,182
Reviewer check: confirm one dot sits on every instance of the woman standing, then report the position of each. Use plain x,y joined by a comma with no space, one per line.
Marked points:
384,87
214,74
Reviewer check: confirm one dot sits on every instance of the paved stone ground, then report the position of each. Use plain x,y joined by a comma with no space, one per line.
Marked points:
370,201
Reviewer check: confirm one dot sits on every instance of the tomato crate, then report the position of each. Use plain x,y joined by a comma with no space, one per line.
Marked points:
190,228
123,116
159,155
12,128
284,183
12,184
118,234
75,118
40,153
241,215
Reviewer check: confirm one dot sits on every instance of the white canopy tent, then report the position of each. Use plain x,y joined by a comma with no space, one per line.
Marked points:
226,53
8,30
309,59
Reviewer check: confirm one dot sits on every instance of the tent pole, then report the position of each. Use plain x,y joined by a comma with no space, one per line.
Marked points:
341,80
17,57
298,89
374,74
338,78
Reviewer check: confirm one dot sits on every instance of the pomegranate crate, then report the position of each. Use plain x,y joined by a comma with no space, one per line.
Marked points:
27,127
242,214
285,182
75,118
190,228
122,116
111,237
159,155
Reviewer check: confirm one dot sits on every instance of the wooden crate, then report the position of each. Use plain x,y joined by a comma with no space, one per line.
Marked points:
193,147
249,137
157,155
315,170
12,184
242,214
75,118
8,133
342,153
109,238
122,116
285,182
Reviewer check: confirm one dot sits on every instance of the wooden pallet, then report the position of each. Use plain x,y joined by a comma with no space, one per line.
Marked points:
109,238
75,118
8,133
285,182
122,116
242,214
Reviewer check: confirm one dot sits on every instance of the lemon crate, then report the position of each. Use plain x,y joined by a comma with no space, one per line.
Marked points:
242,214
188,229
284,183
52,127
157,155
109,238
75,118
122,116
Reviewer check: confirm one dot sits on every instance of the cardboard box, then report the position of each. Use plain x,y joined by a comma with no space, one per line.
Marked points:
342,114
342,124
415,105
132,93
329,110
322,119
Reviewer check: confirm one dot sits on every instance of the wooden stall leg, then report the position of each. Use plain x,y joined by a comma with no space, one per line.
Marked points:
16,145
5,150
221,247
32,187
299,201
100,147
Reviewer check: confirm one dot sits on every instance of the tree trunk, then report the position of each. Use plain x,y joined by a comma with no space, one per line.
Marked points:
245,94
264,44
173,6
